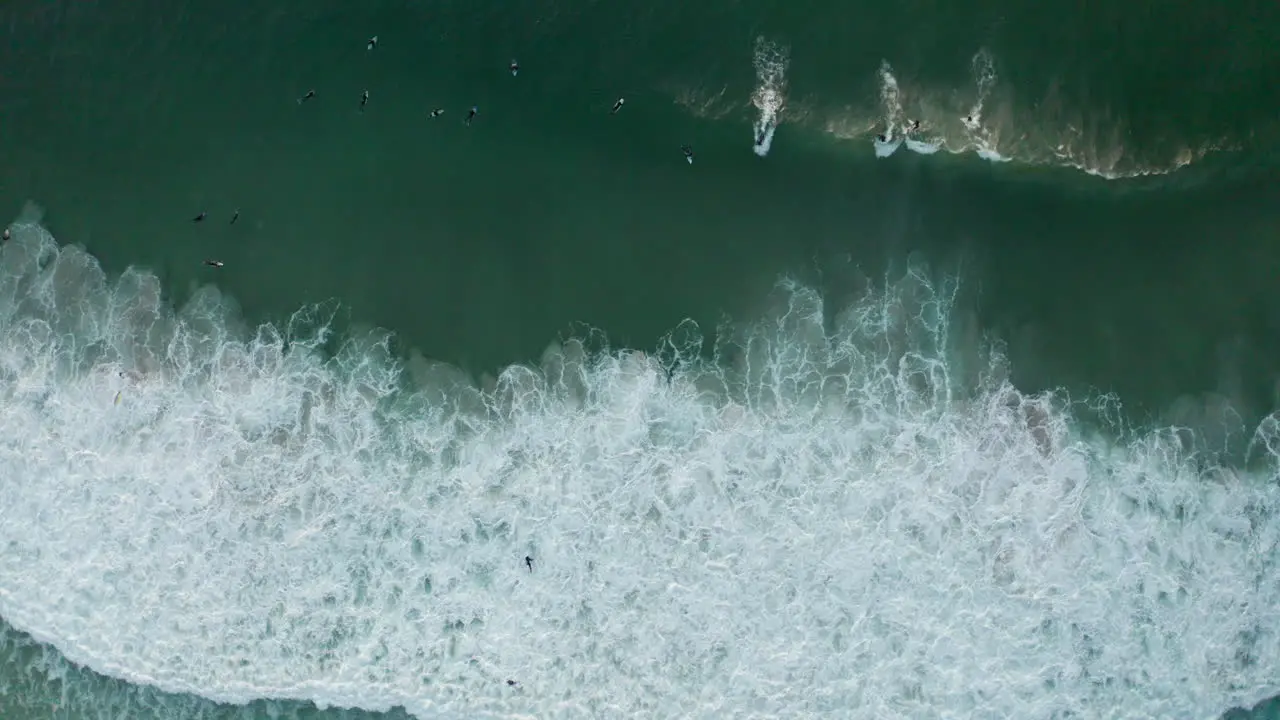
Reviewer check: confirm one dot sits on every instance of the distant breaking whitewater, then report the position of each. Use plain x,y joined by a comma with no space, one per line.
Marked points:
984,118
857,519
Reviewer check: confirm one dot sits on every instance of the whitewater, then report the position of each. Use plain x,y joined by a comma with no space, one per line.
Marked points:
841,514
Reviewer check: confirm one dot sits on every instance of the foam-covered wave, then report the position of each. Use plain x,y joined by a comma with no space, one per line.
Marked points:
983,119
848,518
770,95
37,682
964,120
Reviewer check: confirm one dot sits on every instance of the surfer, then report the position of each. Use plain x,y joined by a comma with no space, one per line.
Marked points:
310,94
528,561
882,138
617,106
235,217
471,114
373,43
913,126
364,100
200,217
6,235
512,683
437,112
515,68
688,153
213,263
761,135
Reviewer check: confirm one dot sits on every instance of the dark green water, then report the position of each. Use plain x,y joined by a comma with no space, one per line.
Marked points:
126,121
480,245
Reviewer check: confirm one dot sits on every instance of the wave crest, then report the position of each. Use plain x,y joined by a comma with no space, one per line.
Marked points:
826,517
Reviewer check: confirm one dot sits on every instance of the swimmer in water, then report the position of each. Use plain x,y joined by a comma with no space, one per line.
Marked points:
213,263
364,100
617,106
437,112
235,217
688,153
528,561
474,109
310,94
200,217
373,43
882,138
515,68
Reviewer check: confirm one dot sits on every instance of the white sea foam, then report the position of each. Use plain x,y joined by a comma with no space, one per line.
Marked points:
983,69
891,104
770,96
857,519
990,125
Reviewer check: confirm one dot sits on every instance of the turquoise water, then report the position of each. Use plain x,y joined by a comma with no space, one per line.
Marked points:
815,426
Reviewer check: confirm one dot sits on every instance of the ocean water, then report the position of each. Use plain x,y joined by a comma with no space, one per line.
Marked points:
533,417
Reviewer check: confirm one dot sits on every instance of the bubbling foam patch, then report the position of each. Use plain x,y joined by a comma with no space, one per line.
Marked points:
38,682
826,520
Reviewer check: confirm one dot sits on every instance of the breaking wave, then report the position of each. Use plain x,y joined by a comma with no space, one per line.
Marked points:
847,514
